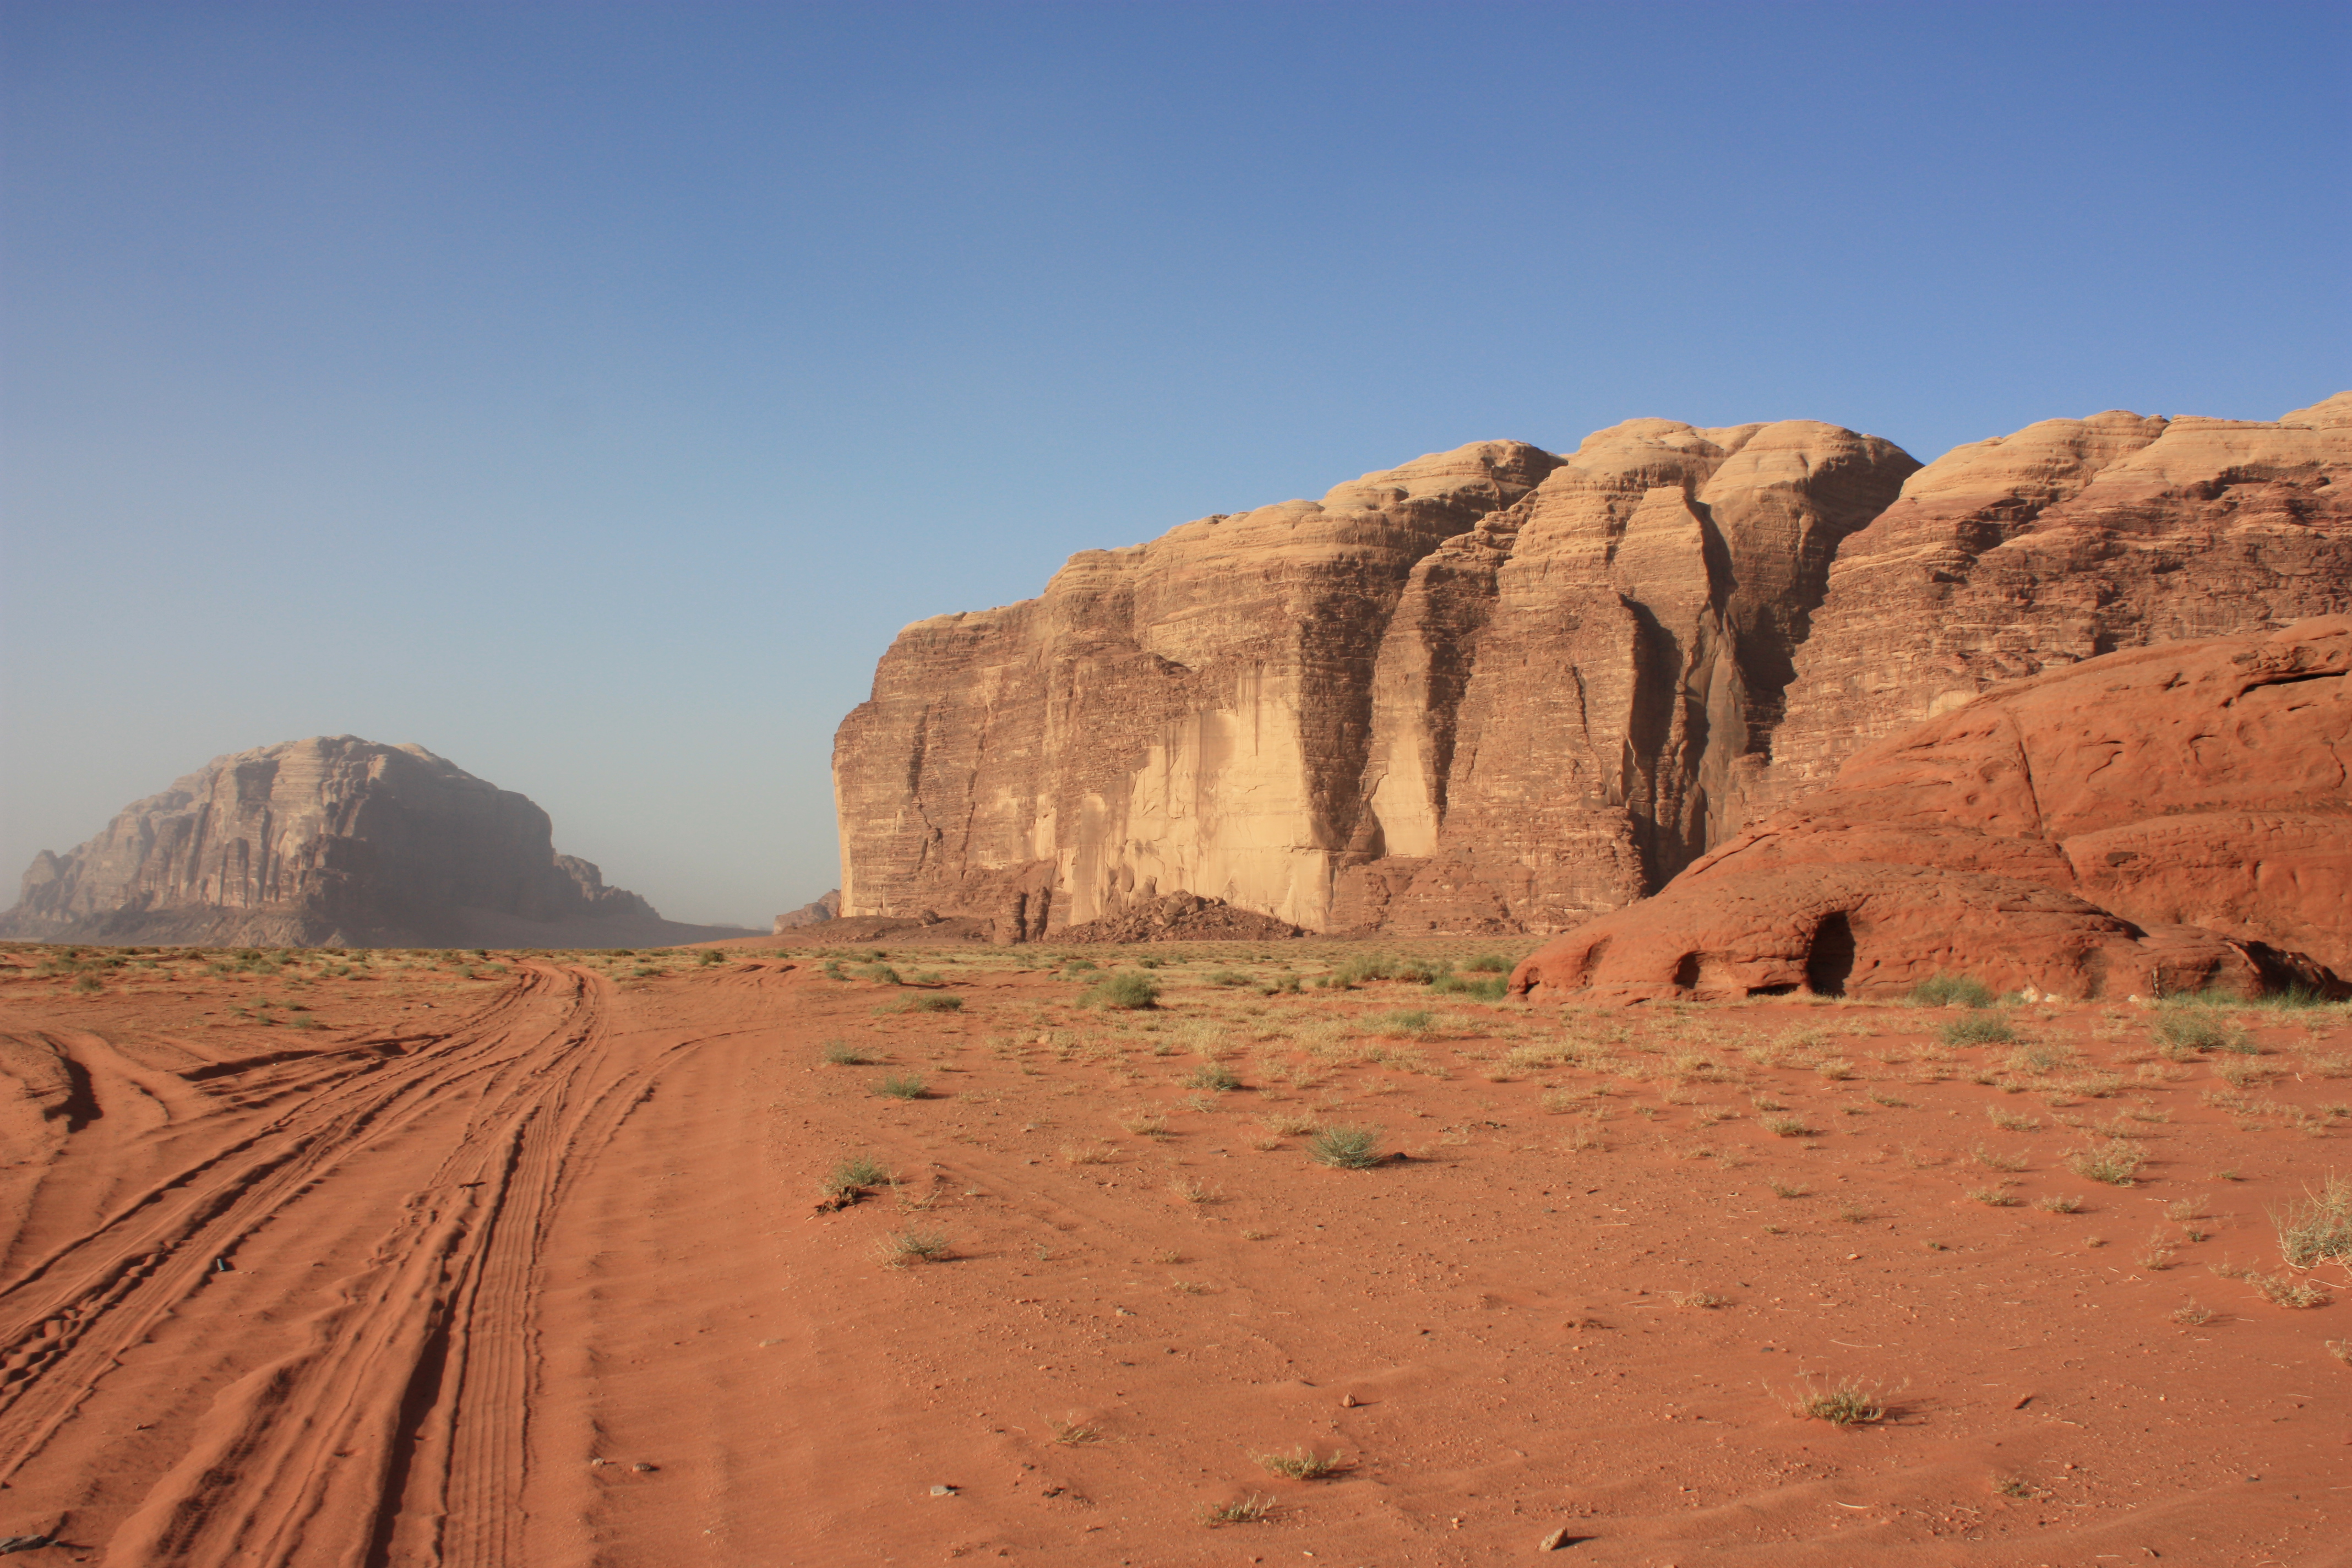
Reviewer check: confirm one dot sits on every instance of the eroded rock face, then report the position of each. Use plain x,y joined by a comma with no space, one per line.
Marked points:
1187,715
2151,821
1502,691
815,912
330,842
2070,539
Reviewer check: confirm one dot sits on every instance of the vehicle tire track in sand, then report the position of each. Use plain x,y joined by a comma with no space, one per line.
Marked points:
394,1429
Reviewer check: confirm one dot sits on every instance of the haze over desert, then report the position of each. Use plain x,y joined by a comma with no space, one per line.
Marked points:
709,879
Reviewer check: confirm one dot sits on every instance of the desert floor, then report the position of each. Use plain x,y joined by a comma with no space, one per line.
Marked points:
419,1259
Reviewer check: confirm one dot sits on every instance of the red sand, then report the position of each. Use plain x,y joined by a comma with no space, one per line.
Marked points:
532,1275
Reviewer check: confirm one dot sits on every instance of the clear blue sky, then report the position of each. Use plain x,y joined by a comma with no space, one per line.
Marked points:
589,393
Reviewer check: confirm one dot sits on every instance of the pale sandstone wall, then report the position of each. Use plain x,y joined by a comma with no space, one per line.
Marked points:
1498,690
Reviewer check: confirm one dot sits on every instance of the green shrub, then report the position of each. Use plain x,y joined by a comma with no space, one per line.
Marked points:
1488,988
841,1054
1283,985
1490,964
855,1173
1346,1148
901,1085
1214,1076
1226,977
2192,1027
880,974
1405,1023
1125,990
1951,991
711,956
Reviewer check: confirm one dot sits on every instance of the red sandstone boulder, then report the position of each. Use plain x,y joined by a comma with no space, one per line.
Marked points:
2154,820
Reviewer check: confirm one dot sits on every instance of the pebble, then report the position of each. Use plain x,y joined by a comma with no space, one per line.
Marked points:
943,1492
643,1468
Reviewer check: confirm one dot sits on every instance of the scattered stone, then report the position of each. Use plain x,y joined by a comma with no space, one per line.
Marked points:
943,1492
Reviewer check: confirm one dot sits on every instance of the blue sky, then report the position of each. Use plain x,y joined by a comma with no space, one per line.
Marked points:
589,393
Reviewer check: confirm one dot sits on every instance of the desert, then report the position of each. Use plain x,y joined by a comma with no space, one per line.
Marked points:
923,1253
1174,786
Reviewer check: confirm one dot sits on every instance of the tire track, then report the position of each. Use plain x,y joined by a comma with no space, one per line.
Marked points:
397,1429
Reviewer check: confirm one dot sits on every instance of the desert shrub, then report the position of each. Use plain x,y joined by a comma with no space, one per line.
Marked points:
880,974
2191,1026
1250,1510
928,1002
711,956
1212,1075
89,985
1301,1464
2116,1164
1951,991
1786,1127
901,1085
1124,991
1490,964
1485,988
2316,1229
1844,1403
2288,1291
1346,1148
856,1171
1977,1031
901,1248
841,1054
1284,985
1362,967
1405,1023
1226,977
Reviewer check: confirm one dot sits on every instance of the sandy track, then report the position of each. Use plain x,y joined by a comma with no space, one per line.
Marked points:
316,1278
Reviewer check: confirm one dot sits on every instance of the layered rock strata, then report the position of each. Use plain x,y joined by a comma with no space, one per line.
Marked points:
1500,690
2151,821
331,842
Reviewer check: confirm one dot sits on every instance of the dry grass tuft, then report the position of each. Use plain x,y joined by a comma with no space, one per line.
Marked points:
1301,1464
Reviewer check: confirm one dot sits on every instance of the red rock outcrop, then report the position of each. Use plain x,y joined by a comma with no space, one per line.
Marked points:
2070,539
331,842
2153,820
1501,691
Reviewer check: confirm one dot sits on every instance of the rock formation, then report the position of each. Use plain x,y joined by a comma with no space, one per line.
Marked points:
2071,538
1498,689
815,912
2150,820
1182,917
332,842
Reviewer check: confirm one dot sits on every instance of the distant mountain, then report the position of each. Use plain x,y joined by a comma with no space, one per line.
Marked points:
333,842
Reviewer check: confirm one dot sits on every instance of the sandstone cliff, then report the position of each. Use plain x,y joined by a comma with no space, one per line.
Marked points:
331,842
1501,689
2071,538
